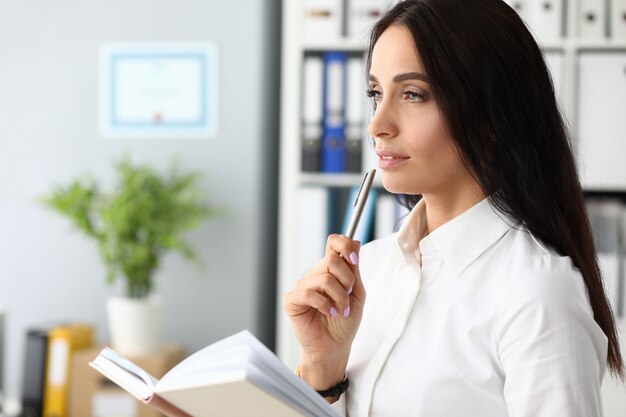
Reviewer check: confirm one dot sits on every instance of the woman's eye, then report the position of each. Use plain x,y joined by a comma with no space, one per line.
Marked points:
414,96
374,94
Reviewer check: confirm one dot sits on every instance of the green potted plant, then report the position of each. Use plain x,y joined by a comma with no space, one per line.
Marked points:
143,217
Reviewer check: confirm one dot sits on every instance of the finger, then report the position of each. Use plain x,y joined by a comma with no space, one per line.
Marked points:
358,288
300,301
329,286
344,246
342,270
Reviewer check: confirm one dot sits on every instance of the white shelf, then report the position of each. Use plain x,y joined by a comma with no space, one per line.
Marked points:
581,43
553,46
604,46
349,45
330,180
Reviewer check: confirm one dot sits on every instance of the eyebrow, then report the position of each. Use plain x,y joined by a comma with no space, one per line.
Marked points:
403,77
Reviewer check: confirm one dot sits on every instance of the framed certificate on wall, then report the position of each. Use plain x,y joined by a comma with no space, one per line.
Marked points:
158,90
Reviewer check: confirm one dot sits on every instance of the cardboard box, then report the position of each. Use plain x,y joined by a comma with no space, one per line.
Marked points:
93,395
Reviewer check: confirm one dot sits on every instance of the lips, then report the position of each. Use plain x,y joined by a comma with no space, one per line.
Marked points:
388,159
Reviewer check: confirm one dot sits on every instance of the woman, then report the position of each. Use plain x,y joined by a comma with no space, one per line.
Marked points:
488,301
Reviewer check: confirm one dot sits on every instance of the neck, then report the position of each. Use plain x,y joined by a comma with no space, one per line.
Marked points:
441,207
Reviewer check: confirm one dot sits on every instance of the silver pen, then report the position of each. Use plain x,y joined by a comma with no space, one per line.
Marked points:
359,202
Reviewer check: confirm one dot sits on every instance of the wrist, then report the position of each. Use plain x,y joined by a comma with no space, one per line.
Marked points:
333,393
321,375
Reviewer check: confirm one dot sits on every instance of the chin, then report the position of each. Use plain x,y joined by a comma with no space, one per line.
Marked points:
399,185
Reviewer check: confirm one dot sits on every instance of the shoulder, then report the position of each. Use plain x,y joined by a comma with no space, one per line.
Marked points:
545,327
542,293
536,271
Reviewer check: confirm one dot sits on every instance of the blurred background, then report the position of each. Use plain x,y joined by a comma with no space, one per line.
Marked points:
50,134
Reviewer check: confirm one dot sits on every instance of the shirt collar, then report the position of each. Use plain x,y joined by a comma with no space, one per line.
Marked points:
458,242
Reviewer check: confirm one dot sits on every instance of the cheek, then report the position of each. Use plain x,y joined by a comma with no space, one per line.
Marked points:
434,149
430,139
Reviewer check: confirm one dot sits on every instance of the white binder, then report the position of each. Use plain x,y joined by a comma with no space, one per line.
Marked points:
313,87
355,107
618,19
362,14
602,121
609,267
313,229
322,20
355,112
605,217
370,159
591,19
554,60
545,18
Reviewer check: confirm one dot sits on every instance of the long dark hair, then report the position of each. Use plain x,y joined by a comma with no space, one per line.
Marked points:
492,85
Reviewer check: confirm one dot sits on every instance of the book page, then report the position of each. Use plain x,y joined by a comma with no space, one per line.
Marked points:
124,373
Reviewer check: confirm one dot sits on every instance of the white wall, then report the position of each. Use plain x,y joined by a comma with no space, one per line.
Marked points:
49,134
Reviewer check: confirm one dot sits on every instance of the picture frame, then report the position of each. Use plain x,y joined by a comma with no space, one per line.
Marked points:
158,90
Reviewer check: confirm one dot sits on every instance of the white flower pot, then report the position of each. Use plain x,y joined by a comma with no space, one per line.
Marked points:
135,325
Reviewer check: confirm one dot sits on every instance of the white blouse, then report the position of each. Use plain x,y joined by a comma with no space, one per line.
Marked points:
493,323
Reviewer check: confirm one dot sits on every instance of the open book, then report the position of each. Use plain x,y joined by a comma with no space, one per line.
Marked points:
236,377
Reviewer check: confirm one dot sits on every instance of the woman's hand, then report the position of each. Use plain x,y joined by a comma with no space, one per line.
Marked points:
325,309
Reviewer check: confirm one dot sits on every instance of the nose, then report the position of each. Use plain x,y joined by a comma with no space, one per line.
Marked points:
382,124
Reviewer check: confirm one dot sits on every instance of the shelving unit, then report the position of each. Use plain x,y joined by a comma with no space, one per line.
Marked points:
292,179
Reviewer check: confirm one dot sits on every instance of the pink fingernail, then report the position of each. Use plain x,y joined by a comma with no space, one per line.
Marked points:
350,290
354,258
333,312
346,312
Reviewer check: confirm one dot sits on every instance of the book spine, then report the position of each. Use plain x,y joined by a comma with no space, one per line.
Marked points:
165,407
